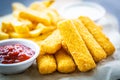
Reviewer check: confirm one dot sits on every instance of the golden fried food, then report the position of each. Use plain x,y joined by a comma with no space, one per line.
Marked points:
20,27
41,29
18,35
76,46
95,49
39,38
7,26
41,5
65,46
53,14
37,5
52,43
37,31
27,23
46,64
18,6
98,35
35,16
3,35
14,25
45,29
48,3
65,63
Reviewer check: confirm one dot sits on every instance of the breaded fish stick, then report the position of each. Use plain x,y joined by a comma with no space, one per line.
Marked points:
65,47
52,43
98,35
65,64
95,49
76,46
46,64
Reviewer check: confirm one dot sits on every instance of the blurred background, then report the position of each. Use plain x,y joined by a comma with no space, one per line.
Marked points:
6,7
112,6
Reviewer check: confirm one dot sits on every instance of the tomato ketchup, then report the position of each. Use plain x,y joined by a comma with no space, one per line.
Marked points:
15,53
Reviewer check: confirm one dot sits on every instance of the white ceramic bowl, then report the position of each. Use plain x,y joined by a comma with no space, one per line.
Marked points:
84,8
20,66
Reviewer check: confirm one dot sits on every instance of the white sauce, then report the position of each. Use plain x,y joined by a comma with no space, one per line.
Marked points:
76,11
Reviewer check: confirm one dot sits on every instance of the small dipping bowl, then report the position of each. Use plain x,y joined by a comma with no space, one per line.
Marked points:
83,8
19,67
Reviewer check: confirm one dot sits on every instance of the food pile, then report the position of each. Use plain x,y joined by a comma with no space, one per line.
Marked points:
65,44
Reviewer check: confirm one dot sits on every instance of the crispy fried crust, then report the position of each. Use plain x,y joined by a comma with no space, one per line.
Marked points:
95,49
46,64
65,63
52,43
98,35
76,46
35,16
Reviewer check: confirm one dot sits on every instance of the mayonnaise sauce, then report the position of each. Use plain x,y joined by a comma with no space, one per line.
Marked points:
74,11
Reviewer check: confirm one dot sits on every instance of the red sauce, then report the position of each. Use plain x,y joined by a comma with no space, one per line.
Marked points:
15,53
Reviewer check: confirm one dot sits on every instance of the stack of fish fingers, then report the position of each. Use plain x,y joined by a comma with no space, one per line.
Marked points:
83,45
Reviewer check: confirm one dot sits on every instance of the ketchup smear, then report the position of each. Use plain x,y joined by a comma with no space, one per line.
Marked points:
15,53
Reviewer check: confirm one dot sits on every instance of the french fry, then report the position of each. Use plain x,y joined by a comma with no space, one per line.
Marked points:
53,14
76,46
16,14
48,29
28,24
20,27
98,35
46,64
3,35
7,26
18,6
40,29
96,50
35,16
45,29
52,43
65,64
44,7
36,32
18,35
40,37
48,3
38,5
